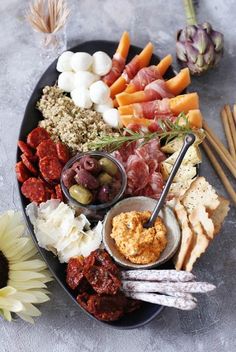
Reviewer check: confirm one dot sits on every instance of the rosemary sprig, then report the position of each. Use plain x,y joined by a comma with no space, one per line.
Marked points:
169,130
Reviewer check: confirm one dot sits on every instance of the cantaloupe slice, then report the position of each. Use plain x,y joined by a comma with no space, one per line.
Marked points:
184,103
124,45
130,119
181,81
195,118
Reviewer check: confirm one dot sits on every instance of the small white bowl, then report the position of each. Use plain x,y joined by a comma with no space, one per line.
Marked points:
141,204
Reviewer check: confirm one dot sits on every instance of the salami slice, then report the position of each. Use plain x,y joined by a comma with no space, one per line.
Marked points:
62,152
22,172
34,190
58,192
36,136
50,168
137,174
46,148
25,149
28,164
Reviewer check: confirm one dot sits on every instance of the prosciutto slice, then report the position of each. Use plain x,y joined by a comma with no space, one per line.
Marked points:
152,109
145,76
118,64
141,164
131,69
159,88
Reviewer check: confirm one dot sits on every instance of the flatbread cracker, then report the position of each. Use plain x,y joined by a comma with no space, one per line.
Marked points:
200,214
187,235
200,193
219,214
199,247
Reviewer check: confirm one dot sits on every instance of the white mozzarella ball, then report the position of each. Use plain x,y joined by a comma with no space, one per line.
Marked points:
81,98
101,63
63,62
99,92
81,61
66,81
112,118
85,79
103,107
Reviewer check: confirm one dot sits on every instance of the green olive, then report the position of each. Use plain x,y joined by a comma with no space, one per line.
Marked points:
108,166
104,178
81,194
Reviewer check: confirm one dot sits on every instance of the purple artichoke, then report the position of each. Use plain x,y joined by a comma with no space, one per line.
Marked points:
198,46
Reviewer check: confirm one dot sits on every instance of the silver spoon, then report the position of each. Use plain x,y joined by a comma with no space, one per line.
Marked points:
189,140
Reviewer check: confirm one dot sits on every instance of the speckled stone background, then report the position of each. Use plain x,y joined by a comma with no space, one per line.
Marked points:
63,327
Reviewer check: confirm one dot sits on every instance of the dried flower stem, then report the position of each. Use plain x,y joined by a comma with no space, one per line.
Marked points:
48,16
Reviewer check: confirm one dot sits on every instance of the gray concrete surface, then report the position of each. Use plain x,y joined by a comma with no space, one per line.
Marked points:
62,327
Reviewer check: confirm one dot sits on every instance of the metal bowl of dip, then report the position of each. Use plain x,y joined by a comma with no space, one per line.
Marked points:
142,204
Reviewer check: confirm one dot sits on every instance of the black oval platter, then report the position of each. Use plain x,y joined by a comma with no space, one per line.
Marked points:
147,311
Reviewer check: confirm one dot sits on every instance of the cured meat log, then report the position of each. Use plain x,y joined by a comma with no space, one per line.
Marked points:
157,275
168,301
144,286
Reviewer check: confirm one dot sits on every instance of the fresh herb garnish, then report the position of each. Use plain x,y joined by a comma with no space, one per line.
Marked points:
169,130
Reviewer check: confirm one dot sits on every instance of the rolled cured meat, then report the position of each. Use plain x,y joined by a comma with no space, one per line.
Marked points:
118,60
162,108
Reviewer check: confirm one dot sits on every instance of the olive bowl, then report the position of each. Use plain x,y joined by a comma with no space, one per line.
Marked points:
142,204
94,212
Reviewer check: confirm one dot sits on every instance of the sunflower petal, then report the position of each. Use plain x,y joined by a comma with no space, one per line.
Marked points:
31,284
6,314
11,304
35,264
25,275
7,291
30,309
26,318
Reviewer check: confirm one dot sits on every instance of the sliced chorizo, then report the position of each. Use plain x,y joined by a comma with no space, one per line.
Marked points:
50,168
34,190
58,190
36,136
28,164
62,152
25,149
46,148
22,172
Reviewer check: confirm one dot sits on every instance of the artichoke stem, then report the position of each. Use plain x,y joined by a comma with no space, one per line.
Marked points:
190,12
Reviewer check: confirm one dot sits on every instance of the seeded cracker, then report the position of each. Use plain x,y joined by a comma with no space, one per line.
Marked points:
64,121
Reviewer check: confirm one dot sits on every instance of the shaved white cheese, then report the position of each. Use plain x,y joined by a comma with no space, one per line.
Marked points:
66,81
103,107
81,61
81,98
112,118
85,79
63,62
58,230
99,92
101,63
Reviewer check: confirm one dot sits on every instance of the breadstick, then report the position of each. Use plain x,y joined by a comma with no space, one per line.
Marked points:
157,275
228,132
180,303
224,179
144,286
231,125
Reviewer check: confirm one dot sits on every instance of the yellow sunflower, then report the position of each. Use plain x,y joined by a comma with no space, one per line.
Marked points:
22,274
